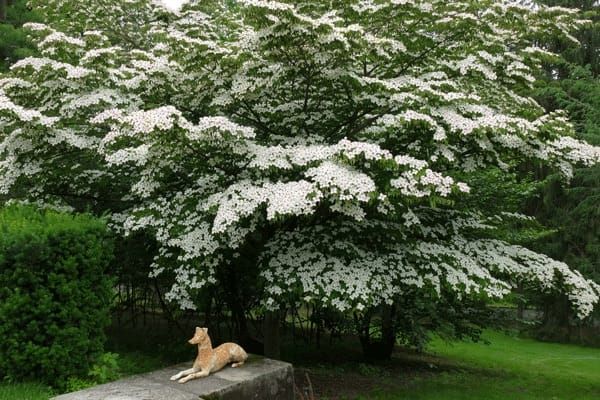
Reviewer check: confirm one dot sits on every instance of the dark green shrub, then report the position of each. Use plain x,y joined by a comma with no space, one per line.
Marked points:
105,370
54,294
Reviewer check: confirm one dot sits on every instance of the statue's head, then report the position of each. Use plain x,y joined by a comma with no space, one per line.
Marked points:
200,336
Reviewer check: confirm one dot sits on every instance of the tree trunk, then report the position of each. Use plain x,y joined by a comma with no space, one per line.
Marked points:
362,326
271,334
520,304
240,321
555,324
3,6
234,299
381,349
388,332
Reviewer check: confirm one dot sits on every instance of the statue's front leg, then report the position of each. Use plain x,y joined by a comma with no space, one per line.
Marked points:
200,374
184,373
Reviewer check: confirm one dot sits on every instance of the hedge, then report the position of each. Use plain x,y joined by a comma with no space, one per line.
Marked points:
54,293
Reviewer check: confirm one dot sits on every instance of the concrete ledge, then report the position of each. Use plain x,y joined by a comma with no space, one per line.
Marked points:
259,379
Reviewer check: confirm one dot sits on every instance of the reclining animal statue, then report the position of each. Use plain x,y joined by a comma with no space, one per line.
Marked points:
209,359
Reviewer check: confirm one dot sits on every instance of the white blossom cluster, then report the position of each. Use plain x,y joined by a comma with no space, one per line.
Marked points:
38,64
364,274
10,109
328,133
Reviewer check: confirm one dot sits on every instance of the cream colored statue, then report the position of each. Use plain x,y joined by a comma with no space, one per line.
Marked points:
210,360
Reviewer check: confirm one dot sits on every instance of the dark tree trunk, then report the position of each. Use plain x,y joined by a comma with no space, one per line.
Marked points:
271,334
555,324
380,349
520,303
388,331
363,328
238,313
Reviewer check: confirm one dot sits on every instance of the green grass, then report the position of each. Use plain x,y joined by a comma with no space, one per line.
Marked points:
129,363
24,391
508,368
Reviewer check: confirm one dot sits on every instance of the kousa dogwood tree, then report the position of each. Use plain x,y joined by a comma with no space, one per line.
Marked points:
323,146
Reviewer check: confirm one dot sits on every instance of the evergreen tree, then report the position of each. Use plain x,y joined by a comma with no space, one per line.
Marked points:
572,83
14,43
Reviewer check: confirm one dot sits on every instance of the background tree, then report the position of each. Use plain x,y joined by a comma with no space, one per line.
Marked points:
299,153
14,44
573,211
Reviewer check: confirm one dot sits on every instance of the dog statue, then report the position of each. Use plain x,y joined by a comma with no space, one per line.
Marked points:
209,359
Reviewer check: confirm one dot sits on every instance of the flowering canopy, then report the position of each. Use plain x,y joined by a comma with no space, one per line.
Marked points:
331,131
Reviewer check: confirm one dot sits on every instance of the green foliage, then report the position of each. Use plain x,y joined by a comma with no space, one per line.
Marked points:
496,191
452,318
575,212
577,92
14,43
589,35
572,84
506,193
106,369
54,295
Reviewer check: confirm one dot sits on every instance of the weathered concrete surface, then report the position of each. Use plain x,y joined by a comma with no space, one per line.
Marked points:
258,379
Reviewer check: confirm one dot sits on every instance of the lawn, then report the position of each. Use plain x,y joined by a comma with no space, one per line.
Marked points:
24,392
507,368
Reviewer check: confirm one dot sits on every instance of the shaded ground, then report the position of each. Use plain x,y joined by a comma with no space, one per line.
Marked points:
349,380
508,368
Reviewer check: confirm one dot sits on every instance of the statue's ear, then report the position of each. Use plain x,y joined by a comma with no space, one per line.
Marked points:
205,330
198,329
